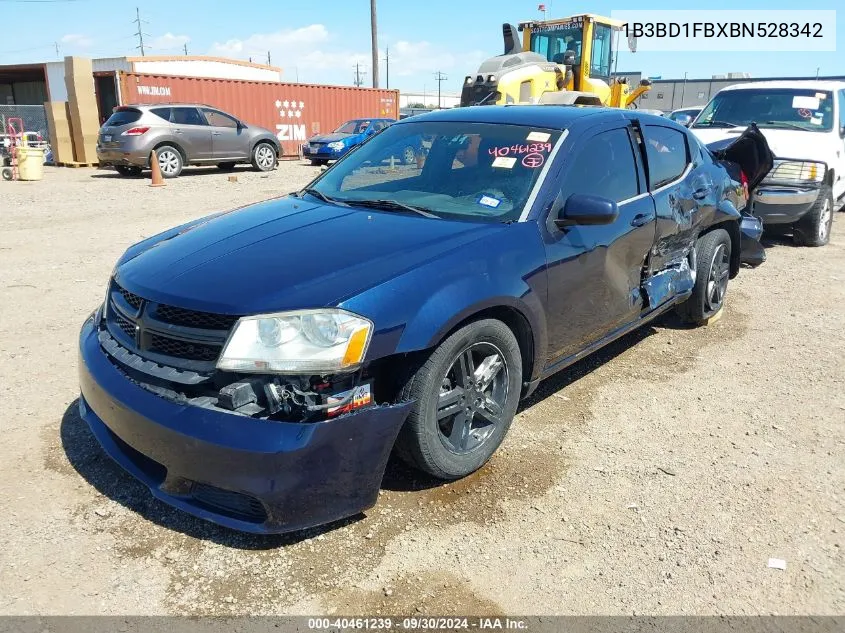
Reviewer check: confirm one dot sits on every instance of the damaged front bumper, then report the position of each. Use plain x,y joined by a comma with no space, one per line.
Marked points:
752,252
249,474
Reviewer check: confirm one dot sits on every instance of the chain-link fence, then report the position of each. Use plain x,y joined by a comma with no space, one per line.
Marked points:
34,125
34,118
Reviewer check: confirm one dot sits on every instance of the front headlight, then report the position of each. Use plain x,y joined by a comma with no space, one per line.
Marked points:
337,146
300,342
796,171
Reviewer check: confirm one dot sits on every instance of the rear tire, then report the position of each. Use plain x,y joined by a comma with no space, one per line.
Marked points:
226,166
169,161
128,171
264,157
814,228
465,397
7,173
712,272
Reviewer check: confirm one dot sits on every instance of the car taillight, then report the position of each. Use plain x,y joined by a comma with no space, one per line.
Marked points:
135,131
743,179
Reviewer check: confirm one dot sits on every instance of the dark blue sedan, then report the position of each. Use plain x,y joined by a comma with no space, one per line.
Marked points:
257,367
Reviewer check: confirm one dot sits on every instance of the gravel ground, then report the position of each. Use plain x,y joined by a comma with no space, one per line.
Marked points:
657,477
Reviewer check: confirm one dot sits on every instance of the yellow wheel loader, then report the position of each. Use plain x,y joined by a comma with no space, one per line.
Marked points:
564,61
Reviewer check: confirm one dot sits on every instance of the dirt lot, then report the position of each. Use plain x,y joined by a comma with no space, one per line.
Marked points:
657,477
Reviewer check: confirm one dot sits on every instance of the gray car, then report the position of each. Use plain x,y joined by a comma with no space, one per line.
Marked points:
182,134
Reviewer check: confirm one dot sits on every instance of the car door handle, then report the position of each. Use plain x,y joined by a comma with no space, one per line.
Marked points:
177,131
216,133
642,219
701,193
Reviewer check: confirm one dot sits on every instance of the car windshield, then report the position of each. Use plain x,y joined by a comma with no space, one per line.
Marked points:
468,171
552,42
788,108
353,127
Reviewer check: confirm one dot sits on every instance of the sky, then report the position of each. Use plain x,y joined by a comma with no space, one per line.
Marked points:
320,42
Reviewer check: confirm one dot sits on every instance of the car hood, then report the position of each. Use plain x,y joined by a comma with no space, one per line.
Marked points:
331,138
783,143
286,254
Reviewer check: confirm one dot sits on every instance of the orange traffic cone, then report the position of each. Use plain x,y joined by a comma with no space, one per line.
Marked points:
158,181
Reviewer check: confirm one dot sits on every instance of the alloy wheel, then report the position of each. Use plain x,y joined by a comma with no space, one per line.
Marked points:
264,157
717,280
168,162
825,220
472,397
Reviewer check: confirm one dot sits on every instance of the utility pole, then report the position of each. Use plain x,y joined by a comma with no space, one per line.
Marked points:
440,78
374,43
140,32
683,90
268,58
359,80
387,66
185,47
56,44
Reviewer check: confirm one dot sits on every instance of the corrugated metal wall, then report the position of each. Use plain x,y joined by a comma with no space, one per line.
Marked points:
55,72
293,111
204,68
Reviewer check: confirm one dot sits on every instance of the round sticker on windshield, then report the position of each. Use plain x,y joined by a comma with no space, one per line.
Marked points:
533,160
804,113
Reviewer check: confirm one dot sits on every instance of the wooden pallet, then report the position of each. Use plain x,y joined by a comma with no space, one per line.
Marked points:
75,164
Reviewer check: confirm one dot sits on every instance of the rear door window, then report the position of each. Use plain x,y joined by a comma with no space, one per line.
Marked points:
218,119
123,117
605,167
187,116
667,154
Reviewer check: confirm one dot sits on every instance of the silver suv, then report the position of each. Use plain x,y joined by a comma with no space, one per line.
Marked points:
182,134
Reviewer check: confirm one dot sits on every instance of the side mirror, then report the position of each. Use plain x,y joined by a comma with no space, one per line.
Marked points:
683,119
569,58
585,210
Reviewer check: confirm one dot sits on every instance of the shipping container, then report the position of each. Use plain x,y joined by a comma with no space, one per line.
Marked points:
294,112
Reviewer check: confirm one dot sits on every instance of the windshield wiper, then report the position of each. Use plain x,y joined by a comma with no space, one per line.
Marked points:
393,205
322,196
786,124
717,124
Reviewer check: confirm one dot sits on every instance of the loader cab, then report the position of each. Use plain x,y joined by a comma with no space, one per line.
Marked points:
589,37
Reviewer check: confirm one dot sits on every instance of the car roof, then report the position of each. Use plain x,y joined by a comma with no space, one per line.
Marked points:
553,117
796,85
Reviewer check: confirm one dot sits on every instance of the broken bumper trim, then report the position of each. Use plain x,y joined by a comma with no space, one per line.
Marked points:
752,252
276,477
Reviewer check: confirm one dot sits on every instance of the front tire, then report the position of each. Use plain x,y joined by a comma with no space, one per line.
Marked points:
465,397
409,156
712,272
264,157
169,161
814,228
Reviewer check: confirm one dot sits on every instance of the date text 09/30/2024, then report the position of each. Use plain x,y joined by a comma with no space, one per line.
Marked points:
417,624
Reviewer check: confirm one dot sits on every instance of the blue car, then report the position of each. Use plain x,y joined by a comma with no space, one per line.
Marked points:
322,148
257,367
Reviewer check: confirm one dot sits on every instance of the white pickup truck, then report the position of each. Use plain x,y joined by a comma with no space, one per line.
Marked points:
804,124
